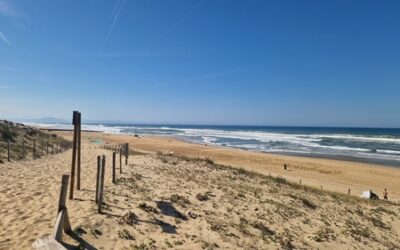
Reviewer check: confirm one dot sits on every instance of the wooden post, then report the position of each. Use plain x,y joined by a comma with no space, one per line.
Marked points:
113,167
63,193
9,150
78,186
23,148
42,146
62,223
71,188
120,160
348,191
103,167
126,153
34,149
98,178
47,145
300,181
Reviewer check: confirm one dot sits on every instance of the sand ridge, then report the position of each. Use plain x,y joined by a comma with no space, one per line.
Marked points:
333,175
163,202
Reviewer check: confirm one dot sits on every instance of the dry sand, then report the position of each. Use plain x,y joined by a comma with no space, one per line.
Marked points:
163,202
333,175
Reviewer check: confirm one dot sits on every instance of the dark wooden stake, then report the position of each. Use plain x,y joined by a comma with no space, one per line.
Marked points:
126,153
103,167
120,160
78,186
98,178
113,166
71,188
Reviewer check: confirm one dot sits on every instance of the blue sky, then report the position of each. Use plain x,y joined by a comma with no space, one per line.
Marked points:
321,63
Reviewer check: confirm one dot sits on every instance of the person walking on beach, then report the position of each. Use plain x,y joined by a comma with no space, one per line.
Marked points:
385,195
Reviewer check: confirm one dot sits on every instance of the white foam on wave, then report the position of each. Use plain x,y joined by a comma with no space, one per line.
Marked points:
292,143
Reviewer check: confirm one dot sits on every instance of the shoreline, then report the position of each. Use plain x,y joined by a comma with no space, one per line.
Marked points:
330,174
380,162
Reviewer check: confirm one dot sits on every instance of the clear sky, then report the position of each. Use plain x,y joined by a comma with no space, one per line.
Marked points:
323,63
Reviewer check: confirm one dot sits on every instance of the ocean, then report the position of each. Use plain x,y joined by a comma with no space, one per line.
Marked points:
375,145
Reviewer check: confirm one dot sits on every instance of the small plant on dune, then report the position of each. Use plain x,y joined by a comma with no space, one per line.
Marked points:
202,197
356,230
324,234
125,234
308,203
129,218
180,200
280,180
209,161
147,208
377,222
265,231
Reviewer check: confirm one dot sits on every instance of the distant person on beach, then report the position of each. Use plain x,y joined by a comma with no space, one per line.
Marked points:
285,167
385,195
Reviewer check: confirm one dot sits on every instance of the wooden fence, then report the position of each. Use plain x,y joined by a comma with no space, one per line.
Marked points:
37,149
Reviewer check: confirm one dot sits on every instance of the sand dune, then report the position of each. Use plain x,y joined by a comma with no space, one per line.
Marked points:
333,175
163,202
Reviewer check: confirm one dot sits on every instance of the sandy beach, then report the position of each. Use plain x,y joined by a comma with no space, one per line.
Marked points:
333,175
163,201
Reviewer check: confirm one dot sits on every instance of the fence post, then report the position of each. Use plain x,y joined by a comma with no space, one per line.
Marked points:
113,167
62,215
8,150
71,188
98,179
348,191
78,184
126,153
63,193
47,145
120,160
103,167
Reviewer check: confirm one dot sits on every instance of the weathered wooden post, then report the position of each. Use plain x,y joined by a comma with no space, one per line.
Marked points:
62,223
63,193
103,167
98,178
120,159
47,145
126,153
9,150
42,146
348,191
78,186
74,122
113,166
34,149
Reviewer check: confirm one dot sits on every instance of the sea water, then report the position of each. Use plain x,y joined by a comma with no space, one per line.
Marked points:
380,145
